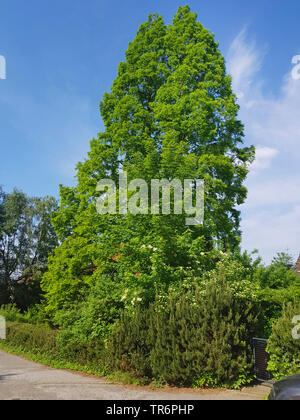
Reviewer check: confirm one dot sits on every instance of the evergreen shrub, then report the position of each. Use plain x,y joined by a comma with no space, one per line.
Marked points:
197,340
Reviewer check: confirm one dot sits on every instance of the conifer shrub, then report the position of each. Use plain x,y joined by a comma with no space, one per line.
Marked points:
284,344
197,340
129,344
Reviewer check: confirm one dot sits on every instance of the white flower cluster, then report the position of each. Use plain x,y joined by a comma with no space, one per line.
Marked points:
138,299
134,299
124,296
150,247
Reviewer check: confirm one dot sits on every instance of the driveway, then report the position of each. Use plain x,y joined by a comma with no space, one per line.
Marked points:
21,379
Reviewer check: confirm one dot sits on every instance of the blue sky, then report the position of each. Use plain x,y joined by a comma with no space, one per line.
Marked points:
62,55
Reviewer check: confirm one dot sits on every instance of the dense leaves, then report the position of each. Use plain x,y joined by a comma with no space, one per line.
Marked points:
284,343
153,296
170,114
26,239
199,339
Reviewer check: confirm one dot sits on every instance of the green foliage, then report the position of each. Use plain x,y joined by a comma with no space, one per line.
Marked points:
197,340
72,348
26,239
90,293
277,286
285,259
275,277
150,296
12,314
33,315
129,344
56,347
14,242
283,348
170,113
35,338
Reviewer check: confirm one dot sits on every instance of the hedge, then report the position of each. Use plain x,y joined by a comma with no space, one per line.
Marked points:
41,340
32,338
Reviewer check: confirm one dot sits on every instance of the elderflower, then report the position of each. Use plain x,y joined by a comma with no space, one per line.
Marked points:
125,295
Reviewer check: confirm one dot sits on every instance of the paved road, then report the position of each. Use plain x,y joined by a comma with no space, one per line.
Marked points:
21,379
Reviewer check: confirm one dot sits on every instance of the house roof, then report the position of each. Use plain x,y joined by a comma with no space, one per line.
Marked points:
297,267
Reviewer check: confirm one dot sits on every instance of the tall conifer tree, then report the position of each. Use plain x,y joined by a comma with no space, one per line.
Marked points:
170,113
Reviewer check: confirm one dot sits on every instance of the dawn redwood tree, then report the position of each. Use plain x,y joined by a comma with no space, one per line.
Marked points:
170,113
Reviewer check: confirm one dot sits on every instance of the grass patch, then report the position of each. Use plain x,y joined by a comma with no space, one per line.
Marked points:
127,378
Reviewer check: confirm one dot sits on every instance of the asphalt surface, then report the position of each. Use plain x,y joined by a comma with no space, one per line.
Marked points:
21,379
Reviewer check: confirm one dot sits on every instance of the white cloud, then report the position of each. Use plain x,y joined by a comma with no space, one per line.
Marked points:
275,193
275,121
269,120
243,61
271,214
263,159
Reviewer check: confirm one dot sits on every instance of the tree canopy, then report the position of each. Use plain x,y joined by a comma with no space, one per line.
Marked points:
26,239
170,114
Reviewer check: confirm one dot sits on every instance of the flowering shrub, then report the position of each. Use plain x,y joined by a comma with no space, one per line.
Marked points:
199,339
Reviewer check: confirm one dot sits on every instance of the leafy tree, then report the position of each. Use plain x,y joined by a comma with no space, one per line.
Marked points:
170,114
14,241
26,238
285,259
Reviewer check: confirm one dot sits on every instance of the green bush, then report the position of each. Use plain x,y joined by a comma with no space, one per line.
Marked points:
129,344
70,347
198,340
283,348
33,315
41,340
32,338
11,313
277,286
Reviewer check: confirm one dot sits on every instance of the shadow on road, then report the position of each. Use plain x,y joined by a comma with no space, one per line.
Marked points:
2,377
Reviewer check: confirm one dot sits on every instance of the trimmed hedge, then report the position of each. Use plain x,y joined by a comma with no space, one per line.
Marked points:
33,338
41,340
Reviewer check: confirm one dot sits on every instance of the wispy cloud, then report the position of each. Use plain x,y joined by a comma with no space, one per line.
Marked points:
269,119
263,159
243,61
271,215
